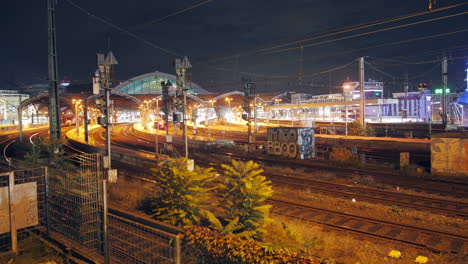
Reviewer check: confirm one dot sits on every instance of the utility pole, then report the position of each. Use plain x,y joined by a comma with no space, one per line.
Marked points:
362,104
300,69
85,117
183,85
54,106
444,90
405,108
249,92
20,118
165,99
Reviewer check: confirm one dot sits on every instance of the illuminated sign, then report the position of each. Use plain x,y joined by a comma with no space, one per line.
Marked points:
440,91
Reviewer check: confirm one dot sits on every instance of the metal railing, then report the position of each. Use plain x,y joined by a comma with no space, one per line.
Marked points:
134,242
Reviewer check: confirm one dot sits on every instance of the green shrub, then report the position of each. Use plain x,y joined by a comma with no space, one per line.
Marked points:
355,129
242,192
211,247
179,196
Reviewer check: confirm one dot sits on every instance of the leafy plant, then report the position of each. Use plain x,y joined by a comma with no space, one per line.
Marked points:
242,192
214,248
342,155
46,152
180,196
355,129
396,209
286,237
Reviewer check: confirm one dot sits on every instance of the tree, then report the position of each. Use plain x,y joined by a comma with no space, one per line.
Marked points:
46,152
241,194
355,129
179,196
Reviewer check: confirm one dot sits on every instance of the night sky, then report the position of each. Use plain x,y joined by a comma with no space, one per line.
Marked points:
223,39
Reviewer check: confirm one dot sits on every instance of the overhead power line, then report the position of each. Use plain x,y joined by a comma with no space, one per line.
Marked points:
419,62
376,23
173,14
340,31
367,33
141,38
390,44
122,30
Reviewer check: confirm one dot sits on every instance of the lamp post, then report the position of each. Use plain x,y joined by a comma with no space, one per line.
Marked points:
346,97
76,104
267,106
277,101
146,111
209,128
229,112
156,127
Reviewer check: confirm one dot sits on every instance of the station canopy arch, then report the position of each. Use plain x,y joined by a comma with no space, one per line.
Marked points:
150,83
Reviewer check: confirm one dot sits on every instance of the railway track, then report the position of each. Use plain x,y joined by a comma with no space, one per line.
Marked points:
430,186
435,241
439,206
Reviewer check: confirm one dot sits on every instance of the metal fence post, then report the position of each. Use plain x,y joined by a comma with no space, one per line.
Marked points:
46,202
105,223
178,253
11,199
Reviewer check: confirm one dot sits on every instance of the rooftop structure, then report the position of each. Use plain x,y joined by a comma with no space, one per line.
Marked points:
150,83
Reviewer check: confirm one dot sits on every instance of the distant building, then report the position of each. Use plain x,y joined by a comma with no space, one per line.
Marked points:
9,102
372,89
150,83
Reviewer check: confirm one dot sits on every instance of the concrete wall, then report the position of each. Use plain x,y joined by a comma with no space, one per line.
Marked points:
449,156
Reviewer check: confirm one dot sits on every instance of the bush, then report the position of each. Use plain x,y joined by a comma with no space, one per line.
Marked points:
210,247
342,155
355,129
242,193
179,196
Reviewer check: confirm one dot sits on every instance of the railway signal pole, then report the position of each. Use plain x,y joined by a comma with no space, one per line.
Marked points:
444,91
183,85
105,81
362,103
249,93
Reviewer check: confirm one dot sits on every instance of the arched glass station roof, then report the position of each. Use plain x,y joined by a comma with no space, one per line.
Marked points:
150,83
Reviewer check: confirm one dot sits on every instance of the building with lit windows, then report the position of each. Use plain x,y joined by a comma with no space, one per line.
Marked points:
9,102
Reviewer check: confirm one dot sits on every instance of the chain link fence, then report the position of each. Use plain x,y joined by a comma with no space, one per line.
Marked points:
75,200
66,201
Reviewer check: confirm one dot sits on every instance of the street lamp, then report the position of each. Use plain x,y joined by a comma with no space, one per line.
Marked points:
229,112
156,118
277,101
346,88
208,121
76,104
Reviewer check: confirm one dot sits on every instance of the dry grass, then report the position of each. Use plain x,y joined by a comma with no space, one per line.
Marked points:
389,213
348,249
128,194
365,181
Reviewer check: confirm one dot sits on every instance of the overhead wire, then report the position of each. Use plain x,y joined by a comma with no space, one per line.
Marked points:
277,77
366,33
392,43
173,14
380,71
371,24
122,29
347,29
